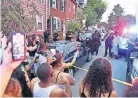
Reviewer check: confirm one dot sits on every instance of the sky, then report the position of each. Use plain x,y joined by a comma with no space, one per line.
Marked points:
129,6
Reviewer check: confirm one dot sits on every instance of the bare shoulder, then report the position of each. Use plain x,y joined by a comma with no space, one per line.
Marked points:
58,92
33,81
114,94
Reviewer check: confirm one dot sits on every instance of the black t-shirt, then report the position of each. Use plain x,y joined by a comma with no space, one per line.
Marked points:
19,75
32,53
55,37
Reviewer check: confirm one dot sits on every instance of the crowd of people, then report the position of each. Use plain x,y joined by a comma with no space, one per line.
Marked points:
42,74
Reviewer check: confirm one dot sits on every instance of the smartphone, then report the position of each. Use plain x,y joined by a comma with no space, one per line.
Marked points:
18,46
53,51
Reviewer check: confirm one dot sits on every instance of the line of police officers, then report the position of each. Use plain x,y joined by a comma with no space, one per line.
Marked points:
95,42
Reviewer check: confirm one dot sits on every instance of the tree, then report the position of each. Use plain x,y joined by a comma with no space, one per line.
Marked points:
80,15
94,11
118,21
105,25
14,18
115,16
73,25
118,10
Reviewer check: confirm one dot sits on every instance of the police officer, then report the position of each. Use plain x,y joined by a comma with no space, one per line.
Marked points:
46,36
108,43
68,36
55,36
96,42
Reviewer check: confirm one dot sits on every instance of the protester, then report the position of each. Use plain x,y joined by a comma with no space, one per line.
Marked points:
44,87
21,74
132,91
108,43
7,67
96,42
58,74
32,45
40,56
13,89
98,80
59,66
46,36
68,36
55,36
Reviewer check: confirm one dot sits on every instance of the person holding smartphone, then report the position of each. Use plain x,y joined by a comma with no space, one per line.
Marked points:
7,67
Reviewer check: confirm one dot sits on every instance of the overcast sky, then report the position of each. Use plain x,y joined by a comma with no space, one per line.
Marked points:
128,5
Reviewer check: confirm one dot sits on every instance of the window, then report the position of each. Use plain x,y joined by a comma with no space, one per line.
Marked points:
69,5
62,5
39,20
56,24
54,3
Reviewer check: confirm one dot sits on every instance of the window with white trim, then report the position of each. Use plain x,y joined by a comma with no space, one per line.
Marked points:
39,20
69,5
54,3
56,24
62,5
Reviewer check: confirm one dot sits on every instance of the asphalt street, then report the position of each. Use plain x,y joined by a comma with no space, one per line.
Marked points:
118,72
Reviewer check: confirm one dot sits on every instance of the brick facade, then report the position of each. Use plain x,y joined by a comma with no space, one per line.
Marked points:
70,14
41,8
63,15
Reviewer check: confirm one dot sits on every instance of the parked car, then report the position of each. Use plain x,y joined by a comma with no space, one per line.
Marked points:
132,67
122,46
68,50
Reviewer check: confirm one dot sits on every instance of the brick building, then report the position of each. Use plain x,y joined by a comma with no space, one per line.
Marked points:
41,15
61,11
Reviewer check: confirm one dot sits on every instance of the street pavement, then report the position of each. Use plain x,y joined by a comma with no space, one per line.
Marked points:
118,72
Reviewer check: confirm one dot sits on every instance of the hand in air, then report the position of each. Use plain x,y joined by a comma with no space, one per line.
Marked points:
7,58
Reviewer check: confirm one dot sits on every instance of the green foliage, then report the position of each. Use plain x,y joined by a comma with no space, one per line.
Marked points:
118,10
74,25
14,18
94,11
117,19
114,16
80,14
105,25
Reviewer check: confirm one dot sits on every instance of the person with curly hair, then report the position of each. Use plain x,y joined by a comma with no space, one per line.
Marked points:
98,80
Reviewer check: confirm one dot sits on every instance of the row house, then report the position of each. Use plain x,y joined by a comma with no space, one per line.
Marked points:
60,12
41,17
52,14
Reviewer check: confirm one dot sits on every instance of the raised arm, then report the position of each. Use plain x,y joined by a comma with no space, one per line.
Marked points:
7,68
31,48
66,65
